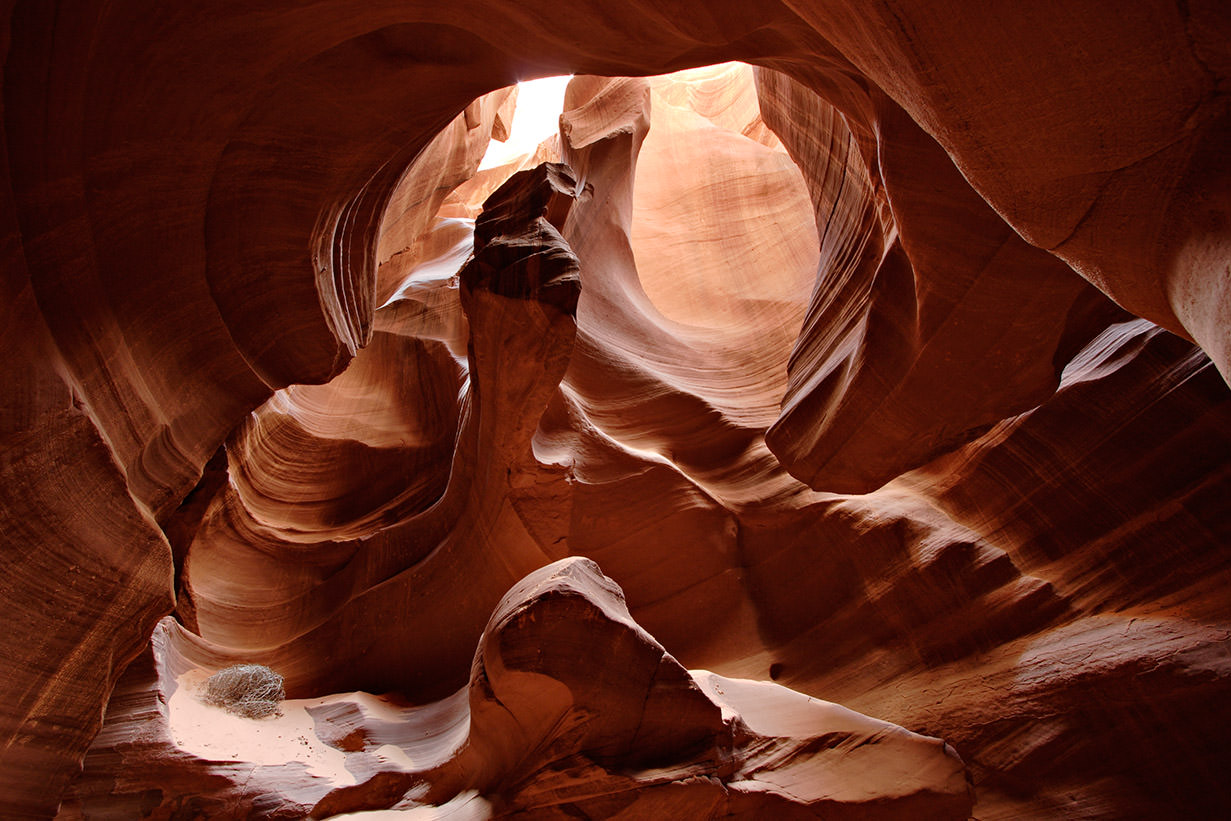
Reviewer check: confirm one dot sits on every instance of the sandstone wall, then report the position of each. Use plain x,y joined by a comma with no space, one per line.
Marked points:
898,450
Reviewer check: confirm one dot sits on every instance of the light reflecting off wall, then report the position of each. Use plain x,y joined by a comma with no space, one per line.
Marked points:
539,103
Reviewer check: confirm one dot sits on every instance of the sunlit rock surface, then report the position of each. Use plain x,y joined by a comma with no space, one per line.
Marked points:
571,708
815,360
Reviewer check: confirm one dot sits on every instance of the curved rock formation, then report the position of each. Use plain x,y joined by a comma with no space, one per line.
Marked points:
897,353
571,708
814,359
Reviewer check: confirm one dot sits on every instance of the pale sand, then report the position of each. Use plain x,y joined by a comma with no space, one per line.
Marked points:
212,733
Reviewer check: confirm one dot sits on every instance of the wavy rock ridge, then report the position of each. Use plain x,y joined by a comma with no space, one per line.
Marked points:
815,359
570,708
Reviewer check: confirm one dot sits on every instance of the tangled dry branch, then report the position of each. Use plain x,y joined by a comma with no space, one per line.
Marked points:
250,690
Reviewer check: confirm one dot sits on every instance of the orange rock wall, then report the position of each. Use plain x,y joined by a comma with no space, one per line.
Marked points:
219,231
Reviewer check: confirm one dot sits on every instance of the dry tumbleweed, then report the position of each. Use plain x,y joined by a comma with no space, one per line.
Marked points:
251,690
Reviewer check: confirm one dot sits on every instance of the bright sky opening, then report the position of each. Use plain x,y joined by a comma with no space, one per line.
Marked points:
539,103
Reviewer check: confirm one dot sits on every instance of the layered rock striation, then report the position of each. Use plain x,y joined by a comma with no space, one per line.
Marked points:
571,708
892,371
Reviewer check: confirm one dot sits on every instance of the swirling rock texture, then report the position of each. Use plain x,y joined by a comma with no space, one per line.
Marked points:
571,709
889,372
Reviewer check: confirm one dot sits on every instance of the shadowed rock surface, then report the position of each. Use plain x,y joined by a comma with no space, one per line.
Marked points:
571,709
891,370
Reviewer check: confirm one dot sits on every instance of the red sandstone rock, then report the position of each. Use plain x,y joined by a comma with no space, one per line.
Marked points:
571,707
235,226
895,361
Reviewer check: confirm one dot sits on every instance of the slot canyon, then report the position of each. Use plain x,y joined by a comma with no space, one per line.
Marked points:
828,419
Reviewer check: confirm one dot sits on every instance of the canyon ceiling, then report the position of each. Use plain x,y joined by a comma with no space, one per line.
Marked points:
885,368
